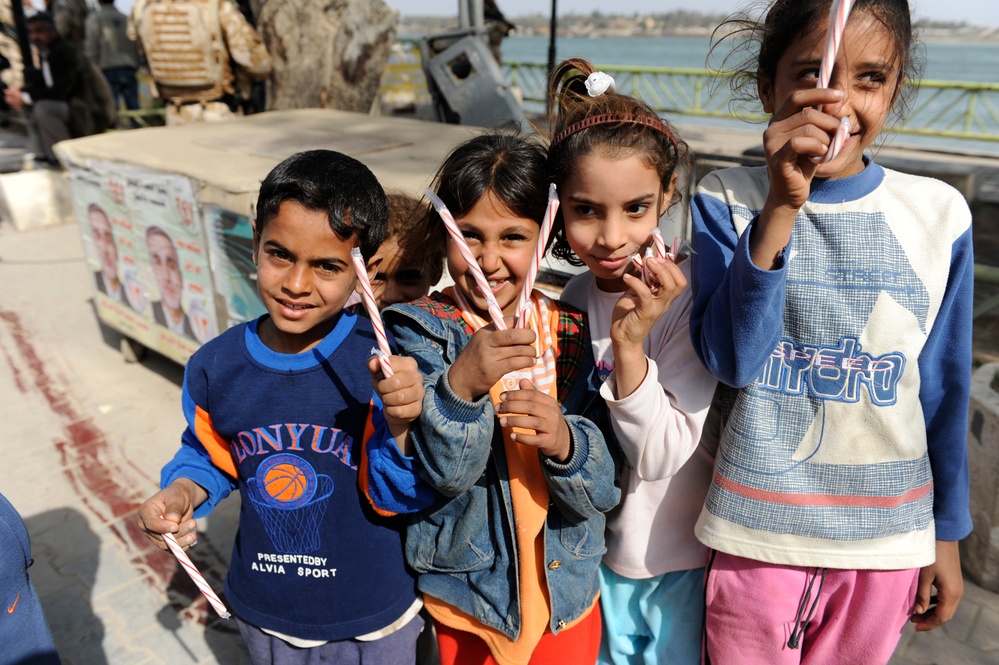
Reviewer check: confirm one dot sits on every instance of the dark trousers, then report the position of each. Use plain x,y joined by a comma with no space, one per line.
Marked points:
51,121
124,86
398,648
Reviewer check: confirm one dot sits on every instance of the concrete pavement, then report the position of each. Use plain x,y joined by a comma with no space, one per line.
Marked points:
86,435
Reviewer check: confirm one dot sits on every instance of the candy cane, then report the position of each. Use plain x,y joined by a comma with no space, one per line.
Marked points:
539,253
839,139
658,243
839,12
495,313
368,296
195,575
658,248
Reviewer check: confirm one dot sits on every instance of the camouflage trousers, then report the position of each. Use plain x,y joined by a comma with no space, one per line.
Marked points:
186,114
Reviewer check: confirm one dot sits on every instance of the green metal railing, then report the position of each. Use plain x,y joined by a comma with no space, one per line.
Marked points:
940,108
943,109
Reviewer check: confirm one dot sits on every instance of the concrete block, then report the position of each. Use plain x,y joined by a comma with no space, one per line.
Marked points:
980,550
36,199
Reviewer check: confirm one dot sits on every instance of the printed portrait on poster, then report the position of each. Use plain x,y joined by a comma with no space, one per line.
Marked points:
148,254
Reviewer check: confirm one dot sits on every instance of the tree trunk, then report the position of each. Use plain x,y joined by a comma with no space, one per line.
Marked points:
326,53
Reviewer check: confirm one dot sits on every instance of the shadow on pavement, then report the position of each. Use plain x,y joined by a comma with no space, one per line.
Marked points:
66,555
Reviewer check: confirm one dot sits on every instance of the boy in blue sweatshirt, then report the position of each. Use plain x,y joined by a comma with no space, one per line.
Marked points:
282,408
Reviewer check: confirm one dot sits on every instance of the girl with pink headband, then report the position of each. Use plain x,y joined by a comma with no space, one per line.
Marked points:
615,163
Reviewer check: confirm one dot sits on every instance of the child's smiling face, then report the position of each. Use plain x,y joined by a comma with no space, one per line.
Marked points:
868,72
398,276
610,206
304,277
503,245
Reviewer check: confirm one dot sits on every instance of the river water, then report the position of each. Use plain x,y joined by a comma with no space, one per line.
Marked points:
943,61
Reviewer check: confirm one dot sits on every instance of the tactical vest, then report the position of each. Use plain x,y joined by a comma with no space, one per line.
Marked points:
183,45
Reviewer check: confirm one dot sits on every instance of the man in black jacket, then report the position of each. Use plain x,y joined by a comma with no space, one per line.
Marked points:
58,92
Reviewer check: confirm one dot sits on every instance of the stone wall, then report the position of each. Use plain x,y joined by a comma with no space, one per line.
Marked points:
980,550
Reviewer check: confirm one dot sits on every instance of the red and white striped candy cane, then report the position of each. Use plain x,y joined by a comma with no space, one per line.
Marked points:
658,248
659,243
839,12
495,313
839,139
195,575
539,253
368,296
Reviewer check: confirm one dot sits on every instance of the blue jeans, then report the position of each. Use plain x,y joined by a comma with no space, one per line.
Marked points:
124,86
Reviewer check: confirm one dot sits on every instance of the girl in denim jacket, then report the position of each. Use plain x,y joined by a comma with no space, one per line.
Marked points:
507,554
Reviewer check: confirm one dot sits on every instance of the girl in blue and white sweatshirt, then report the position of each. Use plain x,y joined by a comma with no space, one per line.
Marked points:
835,298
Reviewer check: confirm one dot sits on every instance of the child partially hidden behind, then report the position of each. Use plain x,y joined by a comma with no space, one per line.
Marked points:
411,258
282,408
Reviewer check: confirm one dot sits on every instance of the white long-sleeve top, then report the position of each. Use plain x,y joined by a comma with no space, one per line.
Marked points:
659,428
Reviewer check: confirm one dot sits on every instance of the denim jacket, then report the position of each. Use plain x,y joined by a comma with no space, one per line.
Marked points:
463,545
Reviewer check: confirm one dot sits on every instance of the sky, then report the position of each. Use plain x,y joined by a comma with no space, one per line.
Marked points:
976,12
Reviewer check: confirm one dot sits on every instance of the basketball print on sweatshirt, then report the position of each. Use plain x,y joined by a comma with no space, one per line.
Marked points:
291,500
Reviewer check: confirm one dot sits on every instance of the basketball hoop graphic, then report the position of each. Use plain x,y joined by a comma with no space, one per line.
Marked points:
291,500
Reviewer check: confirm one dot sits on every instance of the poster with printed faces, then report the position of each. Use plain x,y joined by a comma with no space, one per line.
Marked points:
146,248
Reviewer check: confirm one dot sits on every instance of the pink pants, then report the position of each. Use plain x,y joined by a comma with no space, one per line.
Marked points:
755,609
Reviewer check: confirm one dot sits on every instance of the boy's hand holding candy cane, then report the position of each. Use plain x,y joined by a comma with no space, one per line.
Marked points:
166,518
171,511
396,379
401,395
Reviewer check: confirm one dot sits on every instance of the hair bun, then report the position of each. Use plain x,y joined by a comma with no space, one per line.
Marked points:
598,83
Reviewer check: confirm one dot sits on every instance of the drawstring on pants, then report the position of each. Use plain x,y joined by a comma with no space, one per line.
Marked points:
794,641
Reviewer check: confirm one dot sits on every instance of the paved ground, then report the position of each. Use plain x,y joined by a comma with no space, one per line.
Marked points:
86,435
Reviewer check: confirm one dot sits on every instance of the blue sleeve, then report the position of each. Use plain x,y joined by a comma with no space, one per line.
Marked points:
452,438
193,461
191,464
944,394
586,484
737,314
390,479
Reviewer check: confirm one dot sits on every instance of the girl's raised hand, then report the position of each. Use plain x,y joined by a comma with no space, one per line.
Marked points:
531,409
798,132
640,306
489,356
636,311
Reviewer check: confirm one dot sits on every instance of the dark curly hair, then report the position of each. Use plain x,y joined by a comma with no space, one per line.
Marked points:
640,131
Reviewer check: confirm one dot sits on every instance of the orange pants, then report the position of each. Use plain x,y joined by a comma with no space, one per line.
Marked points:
578,645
